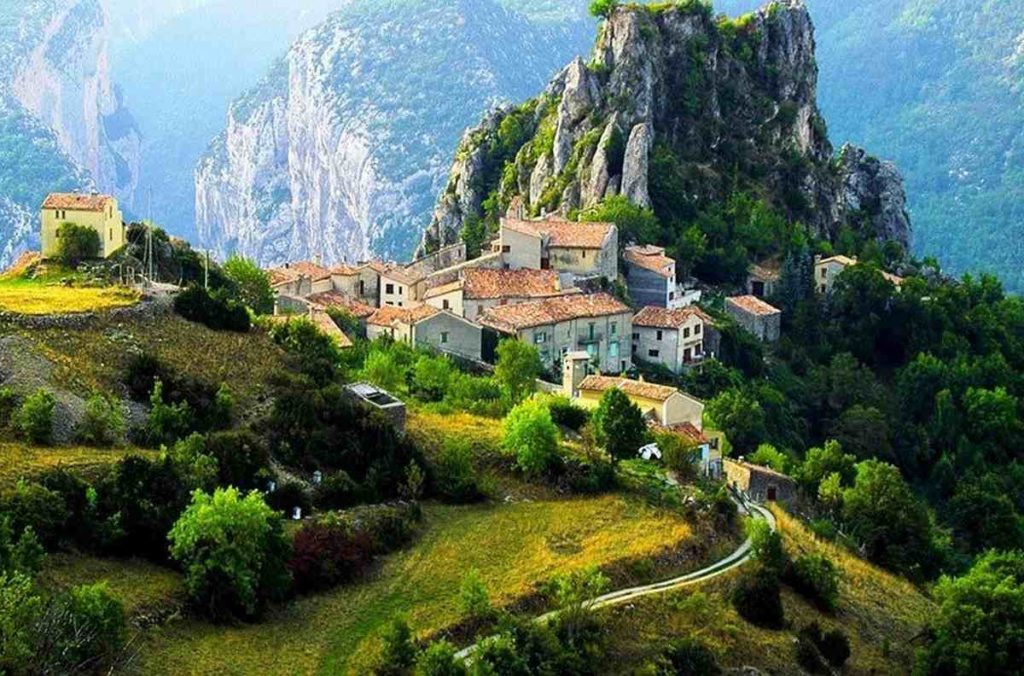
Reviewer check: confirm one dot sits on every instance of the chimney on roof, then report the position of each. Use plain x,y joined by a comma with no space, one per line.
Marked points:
318,258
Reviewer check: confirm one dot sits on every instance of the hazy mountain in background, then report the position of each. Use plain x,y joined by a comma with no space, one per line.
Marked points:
181,63
63,124
936,86
344,146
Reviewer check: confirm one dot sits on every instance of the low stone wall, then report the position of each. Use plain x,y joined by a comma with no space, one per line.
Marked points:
146,309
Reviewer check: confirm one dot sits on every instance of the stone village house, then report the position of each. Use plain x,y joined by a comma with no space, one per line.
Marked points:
587,250
597,324
673,338
756,316
429,327
92,210
483,288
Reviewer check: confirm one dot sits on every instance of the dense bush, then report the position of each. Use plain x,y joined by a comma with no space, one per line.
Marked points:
76,243
819,651
337,491
567,414
439,659
326,553
817,578
208,407
251,284
311,351
31,506
289,495
532,438
758,599
34,419
242,458
234,553
586,475
688,657
102,423
453,477
474,598
619,425
91,629
214,310
398,650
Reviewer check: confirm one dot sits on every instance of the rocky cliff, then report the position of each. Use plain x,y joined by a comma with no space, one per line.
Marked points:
343,148
678,109
62,122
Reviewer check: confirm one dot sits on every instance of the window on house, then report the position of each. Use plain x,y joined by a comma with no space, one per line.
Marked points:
444,337
824,273
696,330
671,295
658,336
822,289
687,354
615,329
445,305
653,353
540,337
400,291
686,332
505,248
591,331
636,336
584,254
613,349
399,303
362,287
389,288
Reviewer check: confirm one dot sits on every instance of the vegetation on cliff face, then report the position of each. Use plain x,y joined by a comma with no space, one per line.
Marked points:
679,110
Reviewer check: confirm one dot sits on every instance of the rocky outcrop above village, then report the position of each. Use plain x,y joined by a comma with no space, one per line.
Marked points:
676,109
64,123
343,149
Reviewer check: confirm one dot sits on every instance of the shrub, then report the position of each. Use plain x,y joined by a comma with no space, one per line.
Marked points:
474,599
196,467
20,607
289,495
326,553
453,475
95,628
8,407
766,547
517,370
389,526
337,491
311,351
76,243
21,555
103,422
817,578
431,377
532,437
233,551
214,311
242,458
816,647
252,284
678,455
34,419
439,659
167,422
586,475
30,506
767,455
398,651
690,657
758,599
567,414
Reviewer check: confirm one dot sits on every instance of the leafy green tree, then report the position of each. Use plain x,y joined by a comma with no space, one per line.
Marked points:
619,425
864,430
234,552
313,352
431,377
979,628
98,626
383,369
823,461
741,417
830,492
766,547
102,423
531,435
76,243
474,235
20,608
769,456
398,651
252,284
983,517
517,370
816,577
34,419
882,512
635,224
574,594
166,422
602,9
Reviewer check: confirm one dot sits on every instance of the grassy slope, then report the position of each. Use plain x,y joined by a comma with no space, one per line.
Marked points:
19,460
512,545
38,297
141,586
881,614
96,358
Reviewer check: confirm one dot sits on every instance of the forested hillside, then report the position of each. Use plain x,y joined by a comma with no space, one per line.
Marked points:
935,86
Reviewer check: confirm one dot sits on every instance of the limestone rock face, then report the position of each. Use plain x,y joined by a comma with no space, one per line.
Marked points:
343,150
63,118
675,106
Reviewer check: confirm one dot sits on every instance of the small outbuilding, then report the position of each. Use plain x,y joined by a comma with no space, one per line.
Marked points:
761,484
756,316
373,397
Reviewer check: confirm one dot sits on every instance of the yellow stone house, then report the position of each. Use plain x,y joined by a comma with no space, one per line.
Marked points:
99,212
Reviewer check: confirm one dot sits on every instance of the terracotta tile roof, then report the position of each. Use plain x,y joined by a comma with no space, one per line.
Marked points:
651,258
443,289
315,272
564,234
662,318
686,430
753,305
634,388
77,201
759,468
513,318
279,276
484,283
396,273
393,316
344,270
333,299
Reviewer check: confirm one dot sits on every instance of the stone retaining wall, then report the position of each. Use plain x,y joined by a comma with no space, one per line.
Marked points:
146,309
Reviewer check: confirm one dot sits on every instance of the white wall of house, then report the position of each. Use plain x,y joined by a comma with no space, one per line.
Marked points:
453,301
519,250
394,293
448,332
608,341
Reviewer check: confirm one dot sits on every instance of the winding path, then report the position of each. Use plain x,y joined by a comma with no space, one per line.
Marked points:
615,598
